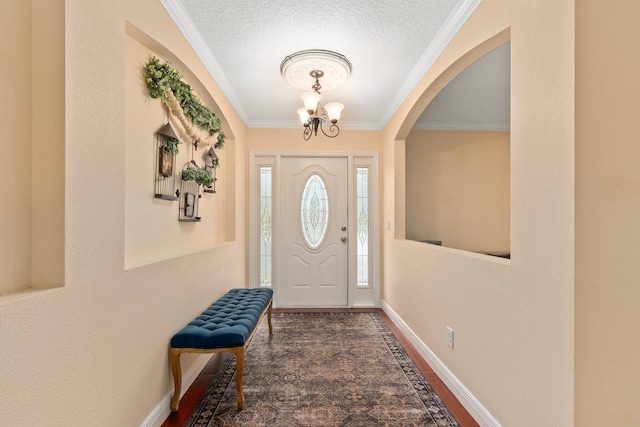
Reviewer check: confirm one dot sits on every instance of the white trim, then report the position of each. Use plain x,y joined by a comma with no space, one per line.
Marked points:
188,29
259,157
471,404
163,409
275,124
462,126
453,24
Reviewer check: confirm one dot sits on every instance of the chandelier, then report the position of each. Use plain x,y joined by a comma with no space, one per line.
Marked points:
304,69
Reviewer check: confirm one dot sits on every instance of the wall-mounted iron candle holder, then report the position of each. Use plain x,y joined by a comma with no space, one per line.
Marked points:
190,195
166,146
211,164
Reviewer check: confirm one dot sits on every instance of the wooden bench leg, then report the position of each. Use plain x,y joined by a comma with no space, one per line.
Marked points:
174,356
239,374
269,318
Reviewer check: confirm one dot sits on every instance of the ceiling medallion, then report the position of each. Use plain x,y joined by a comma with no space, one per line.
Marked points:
303,70
297,67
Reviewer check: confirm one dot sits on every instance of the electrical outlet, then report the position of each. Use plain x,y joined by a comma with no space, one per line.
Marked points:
449,337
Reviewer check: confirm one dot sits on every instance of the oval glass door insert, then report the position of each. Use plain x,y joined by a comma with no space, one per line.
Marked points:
314,211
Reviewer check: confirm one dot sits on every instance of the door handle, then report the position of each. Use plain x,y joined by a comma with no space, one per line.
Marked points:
343,239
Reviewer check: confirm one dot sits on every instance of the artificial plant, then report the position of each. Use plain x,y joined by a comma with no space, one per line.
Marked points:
163,80
171,144
200,175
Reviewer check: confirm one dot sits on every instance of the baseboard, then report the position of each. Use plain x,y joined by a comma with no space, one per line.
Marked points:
163,409
470,403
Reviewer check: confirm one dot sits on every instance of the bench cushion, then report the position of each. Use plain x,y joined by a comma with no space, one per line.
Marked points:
227,323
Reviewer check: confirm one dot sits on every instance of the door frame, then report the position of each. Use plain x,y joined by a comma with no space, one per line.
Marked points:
368,296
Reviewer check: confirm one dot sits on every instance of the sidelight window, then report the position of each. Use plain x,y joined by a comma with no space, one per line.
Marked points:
266,225
362,231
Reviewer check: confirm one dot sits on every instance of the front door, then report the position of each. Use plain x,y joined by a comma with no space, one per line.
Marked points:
314,251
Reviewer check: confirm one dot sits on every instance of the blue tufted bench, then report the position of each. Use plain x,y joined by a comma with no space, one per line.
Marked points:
226,326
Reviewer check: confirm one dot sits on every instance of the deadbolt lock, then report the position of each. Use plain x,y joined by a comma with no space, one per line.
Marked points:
344,228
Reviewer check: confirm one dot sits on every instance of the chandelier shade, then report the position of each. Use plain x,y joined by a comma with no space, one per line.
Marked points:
311,101
304,115
333,110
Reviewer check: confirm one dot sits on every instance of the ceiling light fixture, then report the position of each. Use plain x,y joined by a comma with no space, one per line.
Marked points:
306,68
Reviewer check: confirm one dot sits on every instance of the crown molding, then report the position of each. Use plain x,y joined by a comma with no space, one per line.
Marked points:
275,124
194,38
462,126
453,24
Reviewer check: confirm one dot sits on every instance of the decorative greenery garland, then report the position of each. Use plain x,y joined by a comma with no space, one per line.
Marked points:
162,76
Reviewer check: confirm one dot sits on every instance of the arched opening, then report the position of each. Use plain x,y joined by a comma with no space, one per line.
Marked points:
153,228
457,156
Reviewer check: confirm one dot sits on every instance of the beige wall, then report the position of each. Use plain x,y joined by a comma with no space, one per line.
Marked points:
94,352
15,67
607,213
48,154
513,320
291,140
457,189
152,232
32,66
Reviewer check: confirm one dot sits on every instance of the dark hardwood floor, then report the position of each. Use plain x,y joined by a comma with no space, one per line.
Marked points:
199,386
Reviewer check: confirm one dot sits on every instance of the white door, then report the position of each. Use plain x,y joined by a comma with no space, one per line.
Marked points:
314,251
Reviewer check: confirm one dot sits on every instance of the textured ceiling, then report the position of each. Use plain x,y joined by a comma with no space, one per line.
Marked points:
389,43
476,99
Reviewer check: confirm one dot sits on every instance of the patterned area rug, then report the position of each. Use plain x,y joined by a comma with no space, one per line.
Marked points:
323,369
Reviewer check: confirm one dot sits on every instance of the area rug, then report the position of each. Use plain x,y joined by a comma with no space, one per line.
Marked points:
323,369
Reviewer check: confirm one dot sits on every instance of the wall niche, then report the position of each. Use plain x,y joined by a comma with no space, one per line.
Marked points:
160,228
33,88
457,167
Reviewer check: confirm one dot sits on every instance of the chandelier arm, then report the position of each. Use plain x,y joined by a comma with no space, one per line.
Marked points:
334,130
306,134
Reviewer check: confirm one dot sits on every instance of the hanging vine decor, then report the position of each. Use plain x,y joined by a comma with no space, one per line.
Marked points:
165,82
193,172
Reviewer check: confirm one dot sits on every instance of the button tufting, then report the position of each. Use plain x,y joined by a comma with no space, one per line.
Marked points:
228,322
